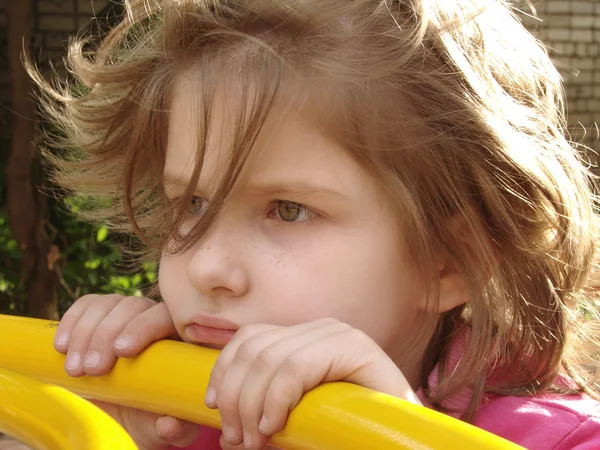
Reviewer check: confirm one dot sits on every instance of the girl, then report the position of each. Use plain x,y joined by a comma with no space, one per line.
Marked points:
376,191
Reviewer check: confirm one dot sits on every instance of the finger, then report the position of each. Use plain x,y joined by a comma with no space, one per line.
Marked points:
150,326
226,399
69,320
176,432
83,330
7,443
100,356
227,446
264,368
226,357
234,378
320,362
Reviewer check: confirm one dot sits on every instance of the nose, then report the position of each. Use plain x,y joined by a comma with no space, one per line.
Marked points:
216,267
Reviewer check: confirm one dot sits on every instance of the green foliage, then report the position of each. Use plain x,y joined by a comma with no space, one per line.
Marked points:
88,261
10,265
92,262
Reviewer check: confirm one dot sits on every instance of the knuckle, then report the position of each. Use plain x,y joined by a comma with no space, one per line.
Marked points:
142,327
103,305
94,299
247,351
290,368
246,332
246,404
274,398
359,336
141,322
265,359
134,301
79,339
87,298
105,333
227,403
328,321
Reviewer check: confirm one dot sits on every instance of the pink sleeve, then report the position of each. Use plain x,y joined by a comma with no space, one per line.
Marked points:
550,422
585,437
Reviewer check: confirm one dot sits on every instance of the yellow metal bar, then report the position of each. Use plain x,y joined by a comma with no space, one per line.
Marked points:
48,417
171,378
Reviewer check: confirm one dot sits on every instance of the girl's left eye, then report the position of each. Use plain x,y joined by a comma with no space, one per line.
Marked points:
290,212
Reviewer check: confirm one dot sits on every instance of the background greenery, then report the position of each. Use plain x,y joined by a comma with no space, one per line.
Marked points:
86,260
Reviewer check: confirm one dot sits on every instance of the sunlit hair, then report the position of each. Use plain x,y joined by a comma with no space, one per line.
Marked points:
453,105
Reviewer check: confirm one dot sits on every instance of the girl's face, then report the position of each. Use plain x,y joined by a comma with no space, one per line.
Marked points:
306,234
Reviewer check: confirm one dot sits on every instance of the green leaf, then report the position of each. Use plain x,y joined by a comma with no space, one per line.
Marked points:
102,234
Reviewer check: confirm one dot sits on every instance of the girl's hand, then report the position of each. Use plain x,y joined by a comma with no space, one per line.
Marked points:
99,328
264,371
7,443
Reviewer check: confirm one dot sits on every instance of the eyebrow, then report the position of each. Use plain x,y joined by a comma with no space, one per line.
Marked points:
301,189
170,180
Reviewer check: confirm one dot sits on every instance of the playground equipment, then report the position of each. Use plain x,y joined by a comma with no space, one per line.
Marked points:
171,378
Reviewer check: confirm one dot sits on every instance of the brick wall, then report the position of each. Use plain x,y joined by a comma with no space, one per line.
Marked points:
570,28
54,22
571,31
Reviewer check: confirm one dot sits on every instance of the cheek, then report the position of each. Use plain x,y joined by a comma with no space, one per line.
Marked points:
172,279
379,299
353,280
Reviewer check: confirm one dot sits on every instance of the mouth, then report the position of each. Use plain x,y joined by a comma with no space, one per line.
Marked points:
209,335
212,331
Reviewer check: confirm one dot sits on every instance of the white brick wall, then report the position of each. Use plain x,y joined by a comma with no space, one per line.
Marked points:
571,30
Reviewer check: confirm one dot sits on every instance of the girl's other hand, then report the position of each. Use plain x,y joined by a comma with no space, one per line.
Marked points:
7,443
264,371
97,330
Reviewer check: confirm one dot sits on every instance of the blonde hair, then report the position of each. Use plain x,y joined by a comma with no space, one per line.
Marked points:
453,105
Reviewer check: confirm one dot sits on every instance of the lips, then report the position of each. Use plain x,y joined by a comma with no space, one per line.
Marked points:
207,329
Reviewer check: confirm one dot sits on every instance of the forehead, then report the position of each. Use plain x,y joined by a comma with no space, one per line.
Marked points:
290,148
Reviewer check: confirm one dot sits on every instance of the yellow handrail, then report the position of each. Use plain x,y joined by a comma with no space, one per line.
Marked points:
48,417
171,378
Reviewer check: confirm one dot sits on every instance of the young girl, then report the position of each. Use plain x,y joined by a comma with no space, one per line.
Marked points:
376,191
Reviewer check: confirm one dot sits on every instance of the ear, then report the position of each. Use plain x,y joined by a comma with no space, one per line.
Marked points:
452,285
452,289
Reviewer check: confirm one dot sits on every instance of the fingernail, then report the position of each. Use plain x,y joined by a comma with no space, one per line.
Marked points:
73,361
123,342
92,359
211,396
229,433
62,339
263,424
247,440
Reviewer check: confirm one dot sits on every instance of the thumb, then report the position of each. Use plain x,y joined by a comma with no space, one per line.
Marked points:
176,432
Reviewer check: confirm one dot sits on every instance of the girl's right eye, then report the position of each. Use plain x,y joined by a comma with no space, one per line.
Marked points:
196,205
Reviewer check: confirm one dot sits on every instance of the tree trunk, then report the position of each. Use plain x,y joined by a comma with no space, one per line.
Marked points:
25,206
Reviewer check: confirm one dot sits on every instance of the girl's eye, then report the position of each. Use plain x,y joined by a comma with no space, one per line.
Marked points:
197,205
291,211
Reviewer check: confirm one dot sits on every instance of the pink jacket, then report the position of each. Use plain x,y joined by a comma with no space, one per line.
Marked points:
545,422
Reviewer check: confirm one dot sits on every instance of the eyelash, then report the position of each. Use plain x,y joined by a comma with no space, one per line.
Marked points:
272,209
271,212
